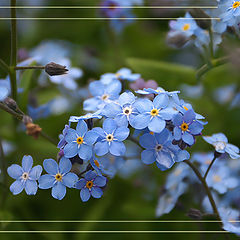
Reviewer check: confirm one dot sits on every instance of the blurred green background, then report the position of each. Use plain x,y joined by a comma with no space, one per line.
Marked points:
142,47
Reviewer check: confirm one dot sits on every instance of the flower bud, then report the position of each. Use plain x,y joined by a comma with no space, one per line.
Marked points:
33,130
54,69
11,103
176,39
194,213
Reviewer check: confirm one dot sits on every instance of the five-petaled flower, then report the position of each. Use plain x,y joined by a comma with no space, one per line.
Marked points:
26,176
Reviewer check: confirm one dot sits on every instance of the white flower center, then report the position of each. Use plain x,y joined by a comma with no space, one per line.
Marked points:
109,137
158,147
127,111
219,146
25,176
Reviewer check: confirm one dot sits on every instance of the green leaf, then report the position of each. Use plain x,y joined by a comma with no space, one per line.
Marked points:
168,75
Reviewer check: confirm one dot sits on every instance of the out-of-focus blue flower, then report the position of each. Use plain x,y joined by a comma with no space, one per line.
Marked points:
220,142
26,176
43,111
122,111
168,199
224,94
86,117
122,74
159,149
204,159
192,91
91,185
160,91
62,137
230,219
186,127
4,92
186,25
110,138
236,101
102,94
80,141
58,178
153,114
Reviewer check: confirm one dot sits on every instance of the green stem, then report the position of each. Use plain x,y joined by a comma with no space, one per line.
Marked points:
13,61
30,67
207,67
4,66
209,167
204,183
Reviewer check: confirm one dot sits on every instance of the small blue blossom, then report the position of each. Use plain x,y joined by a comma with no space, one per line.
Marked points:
62,137
110,138
186,127
122,111
26,176
152,114
102,94
91,185
80,141
43,111
159,149
86,117
220,142
58,178
122,74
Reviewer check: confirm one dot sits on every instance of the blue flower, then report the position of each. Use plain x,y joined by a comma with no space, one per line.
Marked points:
159,149
58,178
43,111
26,176
230,12
86,117
186,127
102,94
91,185
220,142
152,114
110,138
4,92
122,111
62,137
122,74
80,141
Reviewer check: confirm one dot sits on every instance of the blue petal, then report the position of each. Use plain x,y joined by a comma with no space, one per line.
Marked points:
90,175
195,128
85,152
27,163
59,191
85,194
15,171
96,192
71,150
188,138
111,110
177,133
177,119
101,148
100,181
148,141
96,88
35,172
182,155
65,165
81,183
161,101
17,187
117,148
81,128
121,133
148,157
4,92
114,88
109,125
189,116
71,135
163,136
125,98
99,131
31,187
70,179
141,121
46,181
143,105
122,120
50,166
167,113
91,137
165,159
156,125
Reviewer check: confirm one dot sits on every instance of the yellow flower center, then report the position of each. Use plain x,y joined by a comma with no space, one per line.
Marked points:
109,137
105,97
217,178
80,140
89,184
58,177
185,108
154,112
96,163
186,27
152,133
184,127
236,4
118,75
25,176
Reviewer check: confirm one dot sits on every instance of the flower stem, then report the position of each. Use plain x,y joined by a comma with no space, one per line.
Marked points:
13,61
209,167
30,67
203,181
4,66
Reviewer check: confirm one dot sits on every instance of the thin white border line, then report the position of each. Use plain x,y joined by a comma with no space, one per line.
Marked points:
95,18
106,7
113,231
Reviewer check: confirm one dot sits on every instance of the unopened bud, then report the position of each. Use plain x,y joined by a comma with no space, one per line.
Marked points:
194,214
26,119
54,69
11,103
33,130
176,39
